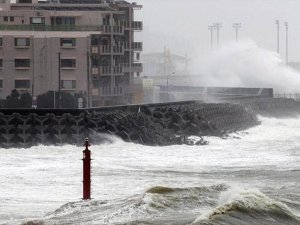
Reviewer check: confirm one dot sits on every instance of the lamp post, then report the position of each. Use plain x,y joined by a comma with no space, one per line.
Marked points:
59,78
278,26
286,24
53,95
168,82
211,29
218,26
236,26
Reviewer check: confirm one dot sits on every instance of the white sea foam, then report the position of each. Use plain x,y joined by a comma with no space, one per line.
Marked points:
37,181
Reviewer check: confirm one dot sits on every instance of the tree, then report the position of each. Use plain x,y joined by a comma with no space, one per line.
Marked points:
12,99
46,100
25,100
17,100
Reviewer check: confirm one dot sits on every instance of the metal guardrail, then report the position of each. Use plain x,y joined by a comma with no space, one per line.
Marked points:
295,96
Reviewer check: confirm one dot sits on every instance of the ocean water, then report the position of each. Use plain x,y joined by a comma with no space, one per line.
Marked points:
252,177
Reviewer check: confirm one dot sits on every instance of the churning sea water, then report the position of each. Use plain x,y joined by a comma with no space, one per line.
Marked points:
252,177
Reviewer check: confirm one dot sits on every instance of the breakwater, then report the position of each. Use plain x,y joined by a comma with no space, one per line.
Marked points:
154,124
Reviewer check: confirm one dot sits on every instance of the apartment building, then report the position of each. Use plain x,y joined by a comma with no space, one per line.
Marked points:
75,46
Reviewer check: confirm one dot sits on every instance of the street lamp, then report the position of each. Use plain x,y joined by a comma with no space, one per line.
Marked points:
217,26
278,27
211,29
286,24
236,26
168,82
53,95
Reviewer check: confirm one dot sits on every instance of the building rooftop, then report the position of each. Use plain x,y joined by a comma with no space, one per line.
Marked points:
74,5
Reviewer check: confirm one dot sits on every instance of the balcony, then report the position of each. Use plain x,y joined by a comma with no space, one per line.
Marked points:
135,88
107,91
30,27
111,29
43,27
135,25
116,91
107,71
107,50
134,67
135,46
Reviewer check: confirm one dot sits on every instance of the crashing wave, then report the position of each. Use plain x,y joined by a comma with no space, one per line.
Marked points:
250,203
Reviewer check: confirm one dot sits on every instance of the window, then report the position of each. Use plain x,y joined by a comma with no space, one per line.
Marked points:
67,42
22,42
1,83
1,63
22,83
11,19
22,63
5,18
37,20
0,41
68,63
68,84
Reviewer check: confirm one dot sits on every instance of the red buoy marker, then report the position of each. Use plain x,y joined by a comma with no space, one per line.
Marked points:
86,171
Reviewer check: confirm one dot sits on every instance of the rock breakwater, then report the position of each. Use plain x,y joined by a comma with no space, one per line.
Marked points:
155,124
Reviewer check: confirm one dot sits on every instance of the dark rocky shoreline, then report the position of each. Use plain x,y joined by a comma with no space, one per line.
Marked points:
154,124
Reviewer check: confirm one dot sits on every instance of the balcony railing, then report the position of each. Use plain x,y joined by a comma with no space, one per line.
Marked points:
107,70
135,25
134,67
107,50
135,46
111,29
133,88
108,91
116,91
30,27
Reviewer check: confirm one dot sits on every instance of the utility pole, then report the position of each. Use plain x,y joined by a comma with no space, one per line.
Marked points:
59,70
168,83
211,28
88,99
236,26
278,25
218,26
286,24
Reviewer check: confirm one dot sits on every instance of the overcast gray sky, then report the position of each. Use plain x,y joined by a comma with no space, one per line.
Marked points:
182,25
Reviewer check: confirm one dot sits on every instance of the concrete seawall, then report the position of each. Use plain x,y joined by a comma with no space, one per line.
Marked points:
152,124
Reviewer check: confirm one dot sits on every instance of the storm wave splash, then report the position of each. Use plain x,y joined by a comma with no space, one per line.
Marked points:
166,205
250,207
